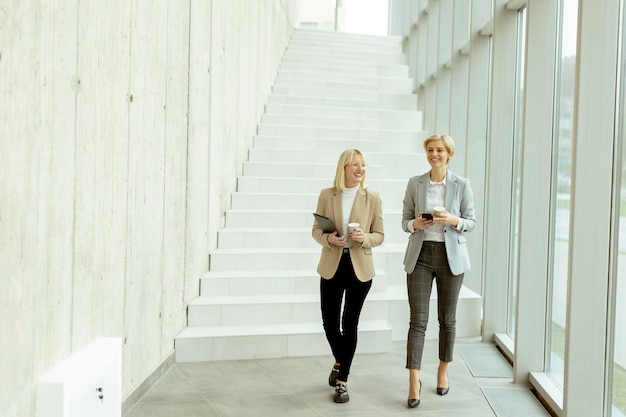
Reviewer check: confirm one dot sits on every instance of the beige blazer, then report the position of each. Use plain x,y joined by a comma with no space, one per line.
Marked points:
368,212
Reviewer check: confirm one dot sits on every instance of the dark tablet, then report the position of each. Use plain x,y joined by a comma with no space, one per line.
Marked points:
326,224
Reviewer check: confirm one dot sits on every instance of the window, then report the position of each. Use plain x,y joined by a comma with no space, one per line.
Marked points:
515,186
618,397
562,166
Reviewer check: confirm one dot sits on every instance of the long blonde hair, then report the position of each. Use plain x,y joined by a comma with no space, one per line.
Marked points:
346,159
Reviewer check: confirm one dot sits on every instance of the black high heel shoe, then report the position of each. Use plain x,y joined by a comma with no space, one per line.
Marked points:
443,391
414,402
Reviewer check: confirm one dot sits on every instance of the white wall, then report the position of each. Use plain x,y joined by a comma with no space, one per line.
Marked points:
123,126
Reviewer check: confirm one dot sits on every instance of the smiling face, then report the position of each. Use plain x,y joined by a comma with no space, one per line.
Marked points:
437,154
355,171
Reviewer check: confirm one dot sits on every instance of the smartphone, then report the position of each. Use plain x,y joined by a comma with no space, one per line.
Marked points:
427,216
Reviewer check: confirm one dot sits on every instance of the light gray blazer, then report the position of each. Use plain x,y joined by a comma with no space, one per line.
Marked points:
459,201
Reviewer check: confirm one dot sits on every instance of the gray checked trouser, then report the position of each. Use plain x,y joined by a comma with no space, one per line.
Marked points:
432,264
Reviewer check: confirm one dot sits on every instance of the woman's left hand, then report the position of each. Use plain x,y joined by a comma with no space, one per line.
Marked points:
357,235
445,218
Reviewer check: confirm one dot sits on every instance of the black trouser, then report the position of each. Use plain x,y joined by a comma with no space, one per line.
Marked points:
341,329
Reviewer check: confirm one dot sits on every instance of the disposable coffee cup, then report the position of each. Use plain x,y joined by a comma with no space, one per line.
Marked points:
352,226
439,210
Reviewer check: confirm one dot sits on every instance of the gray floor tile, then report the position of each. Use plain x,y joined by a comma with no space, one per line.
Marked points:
171,389
263,406
244,385
514,402
480,386
173,409
484,360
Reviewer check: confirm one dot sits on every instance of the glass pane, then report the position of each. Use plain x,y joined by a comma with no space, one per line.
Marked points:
512,292
619,338
561,190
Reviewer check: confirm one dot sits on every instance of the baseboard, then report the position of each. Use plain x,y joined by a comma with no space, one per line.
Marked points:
141,389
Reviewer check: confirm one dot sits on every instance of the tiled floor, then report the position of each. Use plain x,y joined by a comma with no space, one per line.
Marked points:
480,386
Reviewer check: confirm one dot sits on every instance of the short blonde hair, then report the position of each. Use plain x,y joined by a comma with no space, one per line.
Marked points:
346,159
448,142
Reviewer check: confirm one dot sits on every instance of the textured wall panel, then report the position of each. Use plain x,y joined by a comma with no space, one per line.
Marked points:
123,126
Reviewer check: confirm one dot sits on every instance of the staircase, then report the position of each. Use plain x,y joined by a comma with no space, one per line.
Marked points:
260,298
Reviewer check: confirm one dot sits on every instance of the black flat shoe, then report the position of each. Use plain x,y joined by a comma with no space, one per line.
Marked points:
332,378
341,394
414,402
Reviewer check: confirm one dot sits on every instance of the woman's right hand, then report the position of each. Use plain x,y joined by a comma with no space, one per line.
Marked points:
421,223
335,240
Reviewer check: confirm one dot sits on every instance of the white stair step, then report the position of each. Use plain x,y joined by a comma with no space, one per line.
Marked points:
335,144
256,238
294,201
367,95
252,217
338,37
292,169
212,343
289,258
302,110
325,139
348,80
274,200
377,139
264,259
322,156
394,121
255,218
278,238
307,44
347,112
274,308
391,190
363,46
401,86
383,159
405,168
346,51
380,70
319,121
304,58
266,237
249,229
405,102
277,282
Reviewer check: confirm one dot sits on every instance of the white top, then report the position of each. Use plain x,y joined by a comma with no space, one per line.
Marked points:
347,201
435,196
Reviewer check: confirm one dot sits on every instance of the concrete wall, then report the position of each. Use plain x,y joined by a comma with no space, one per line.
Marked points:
123,125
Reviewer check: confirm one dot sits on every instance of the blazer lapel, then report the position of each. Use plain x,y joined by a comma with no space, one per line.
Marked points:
337,211
451,185
359,204
422,189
